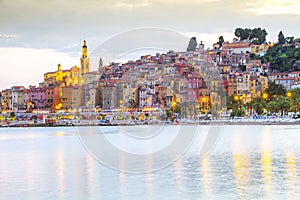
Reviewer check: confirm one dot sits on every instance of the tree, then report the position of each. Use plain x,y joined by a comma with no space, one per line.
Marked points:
275,90
272,107
282,58
295,100
256,42
290,40
283,103
256,35
231,103
238,33
262,36
258,104
169,113
281,38
12,115
192,44
245,34
221,41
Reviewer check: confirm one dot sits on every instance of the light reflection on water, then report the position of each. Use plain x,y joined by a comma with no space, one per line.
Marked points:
249,162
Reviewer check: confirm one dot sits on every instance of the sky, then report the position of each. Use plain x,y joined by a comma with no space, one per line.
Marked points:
36,35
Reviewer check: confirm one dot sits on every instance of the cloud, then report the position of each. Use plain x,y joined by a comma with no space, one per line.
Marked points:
132,4
62,25
7,36
275,7
72,45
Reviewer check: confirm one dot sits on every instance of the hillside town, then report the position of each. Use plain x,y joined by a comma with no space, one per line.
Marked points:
187,84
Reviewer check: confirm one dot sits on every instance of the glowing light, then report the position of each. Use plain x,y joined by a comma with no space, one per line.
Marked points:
265,95
266,162
206,177
291,171
236,97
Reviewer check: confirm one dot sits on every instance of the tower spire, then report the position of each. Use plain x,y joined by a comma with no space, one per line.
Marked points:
84,50
84,60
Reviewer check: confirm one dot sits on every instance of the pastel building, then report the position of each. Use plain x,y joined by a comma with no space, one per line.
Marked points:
53,96
72,97
37,97
238,47
6,99
19,98
286,82
109,97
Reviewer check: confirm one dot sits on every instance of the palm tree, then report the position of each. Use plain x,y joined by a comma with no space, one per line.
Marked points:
284,103
295,100
258,104
272,107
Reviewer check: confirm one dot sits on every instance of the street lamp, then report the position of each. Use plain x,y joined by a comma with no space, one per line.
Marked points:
265,96
29,105
289,94
237,99
204,100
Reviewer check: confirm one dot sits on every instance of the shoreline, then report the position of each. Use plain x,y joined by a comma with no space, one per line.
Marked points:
223,123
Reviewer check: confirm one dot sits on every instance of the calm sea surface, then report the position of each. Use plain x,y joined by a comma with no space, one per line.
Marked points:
248,162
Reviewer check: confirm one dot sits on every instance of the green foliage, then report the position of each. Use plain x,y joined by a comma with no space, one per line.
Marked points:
192,44
258,104
231,103
256,42
254,57
12,115
272,107
290,40
295,100
282,58
237,113
283,103
257,34
176,109
275,90
169,113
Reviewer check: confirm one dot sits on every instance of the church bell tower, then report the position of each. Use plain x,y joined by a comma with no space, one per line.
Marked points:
84,60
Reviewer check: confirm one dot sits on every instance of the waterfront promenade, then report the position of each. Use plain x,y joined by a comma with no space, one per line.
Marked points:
95,122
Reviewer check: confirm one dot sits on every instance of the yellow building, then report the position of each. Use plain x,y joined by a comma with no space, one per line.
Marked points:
259,49
253,88
71,97
264,83
70,77
68,82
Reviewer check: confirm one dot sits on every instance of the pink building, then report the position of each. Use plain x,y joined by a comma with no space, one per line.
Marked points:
37,96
